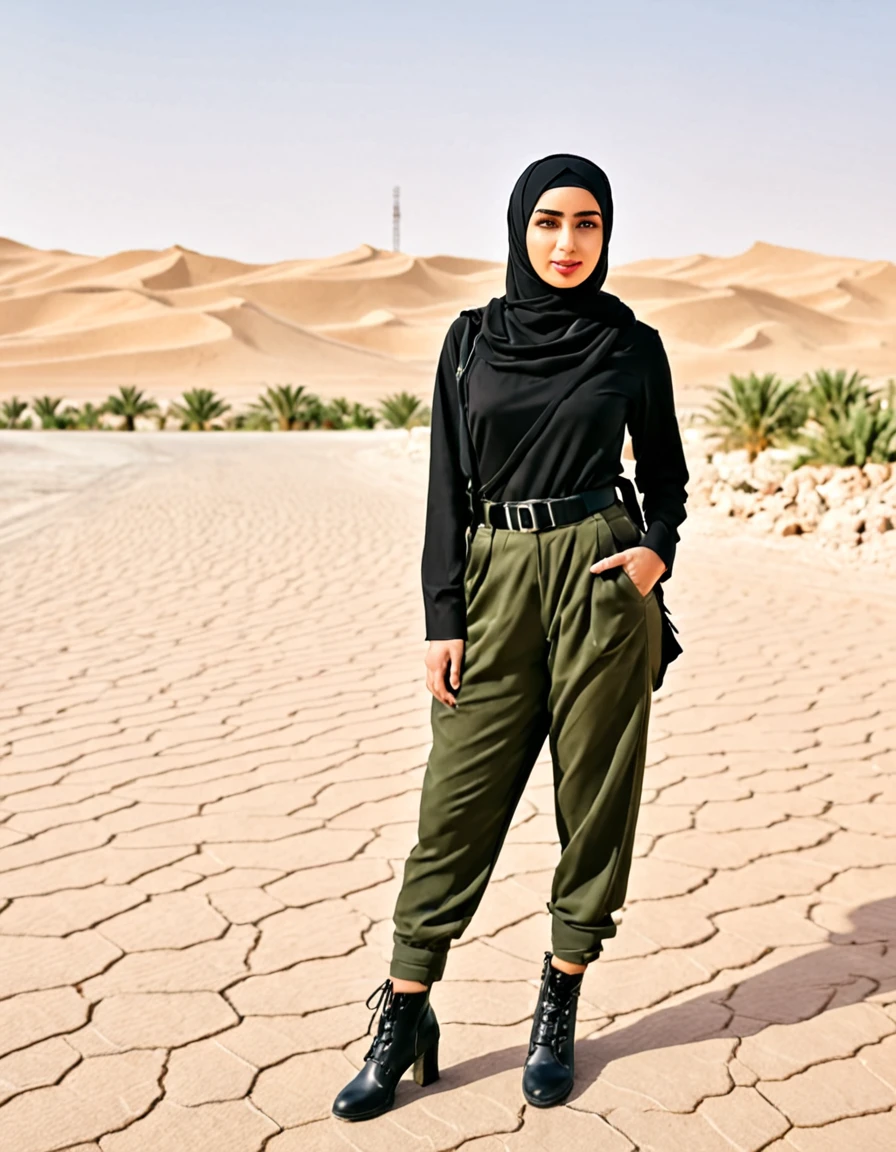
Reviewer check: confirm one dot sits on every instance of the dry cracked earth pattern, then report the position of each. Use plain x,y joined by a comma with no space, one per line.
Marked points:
213,730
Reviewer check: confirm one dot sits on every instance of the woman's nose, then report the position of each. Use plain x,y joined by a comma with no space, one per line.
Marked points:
566,241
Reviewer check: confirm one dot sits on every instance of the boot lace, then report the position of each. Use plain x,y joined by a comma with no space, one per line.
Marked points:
552,1025
383,1037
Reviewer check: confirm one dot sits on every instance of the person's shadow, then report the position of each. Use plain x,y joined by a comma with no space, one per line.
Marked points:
853,965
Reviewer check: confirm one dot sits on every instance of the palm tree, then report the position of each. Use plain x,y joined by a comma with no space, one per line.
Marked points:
338,413
11,412
129,404
254,420
46,410
362,416
69,417
402,410
89,416
198,408
830,393
864,432
285,404
756,412
315,413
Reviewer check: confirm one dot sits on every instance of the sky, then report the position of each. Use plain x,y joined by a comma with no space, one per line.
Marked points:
278,129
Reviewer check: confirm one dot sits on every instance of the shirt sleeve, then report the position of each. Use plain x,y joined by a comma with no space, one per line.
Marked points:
661,473
447,512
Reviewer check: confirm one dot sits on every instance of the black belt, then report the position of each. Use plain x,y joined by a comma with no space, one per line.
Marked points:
536,515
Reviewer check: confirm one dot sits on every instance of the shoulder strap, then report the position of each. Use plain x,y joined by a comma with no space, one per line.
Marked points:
630,500
465,440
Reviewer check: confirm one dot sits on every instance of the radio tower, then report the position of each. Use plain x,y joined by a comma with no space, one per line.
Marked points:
396,219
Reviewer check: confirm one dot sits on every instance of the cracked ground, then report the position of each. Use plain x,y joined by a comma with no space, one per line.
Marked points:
213,731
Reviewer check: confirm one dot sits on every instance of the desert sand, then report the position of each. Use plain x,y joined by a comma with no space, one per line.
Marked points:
368,322
213,731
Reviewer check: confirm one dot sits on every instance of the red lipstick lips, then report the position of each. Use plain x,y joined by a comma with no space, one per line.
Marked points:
566,269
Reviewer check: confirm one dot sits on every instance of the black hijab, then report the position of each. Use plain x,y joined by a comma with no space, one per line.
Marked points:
536,328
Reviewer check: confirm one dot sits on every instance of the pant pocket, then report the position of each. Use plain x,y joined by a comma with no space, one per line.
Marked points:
625,581
627,534
624,531
615,536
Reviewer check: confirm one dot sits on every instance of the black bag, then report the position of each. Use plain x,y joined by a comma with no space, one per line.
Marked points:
670,648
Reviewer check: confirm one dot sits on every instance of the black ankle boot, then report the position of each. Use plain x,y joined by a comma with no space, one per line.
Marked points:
549,1070
408,1033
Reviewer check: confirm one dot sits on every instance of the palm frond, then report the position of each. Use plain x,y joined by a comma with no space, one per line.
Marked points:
198,408
11,412
403,410
756,412
128,405
863,433
46,409
287,404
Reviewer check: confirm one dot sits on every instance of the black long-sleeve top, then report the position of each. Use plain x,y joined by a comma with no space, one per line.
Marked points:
580,449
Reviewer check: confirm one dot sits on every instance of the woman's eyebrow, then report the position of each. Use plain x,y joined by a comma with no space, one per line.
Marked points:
554,212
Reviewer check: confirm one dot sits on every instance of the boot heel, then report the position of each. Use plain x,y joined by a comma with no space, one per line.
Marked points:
426,1066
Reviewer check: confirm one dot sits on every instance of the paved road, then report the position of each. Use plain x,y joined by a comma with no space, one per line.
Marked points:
213,729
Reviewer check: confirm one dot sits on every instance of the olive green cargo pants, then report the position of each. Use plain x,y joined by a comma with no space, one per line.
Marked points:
552,650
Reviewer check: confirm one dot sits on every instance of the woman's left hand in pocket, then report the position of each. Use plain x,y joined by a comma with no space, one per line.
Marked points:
642,566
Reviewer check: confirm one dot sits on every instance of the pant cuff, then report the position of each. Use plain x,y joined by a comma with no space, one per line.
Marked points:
580,945
422,964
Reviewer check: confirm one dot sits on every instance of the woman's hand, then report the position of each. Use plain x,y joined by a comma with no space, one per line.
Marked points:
444,655
642,566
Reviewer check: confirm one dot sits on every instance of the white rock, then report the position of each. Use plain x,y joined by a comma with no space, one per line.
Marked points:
763,521
791,484
877,473
788,526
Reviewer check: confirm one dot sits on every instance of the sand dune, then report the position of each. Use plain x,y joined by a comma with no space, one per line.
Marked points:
382,331
166,329
716,319
68,310
640,286
286,342
366,322
188,269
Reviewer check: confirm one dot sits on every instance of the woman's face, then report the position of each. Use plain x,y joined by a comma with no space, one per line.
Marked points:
565,236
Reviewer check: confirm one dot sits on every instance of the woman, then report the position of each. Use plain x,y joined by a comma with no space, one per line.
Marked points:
542,619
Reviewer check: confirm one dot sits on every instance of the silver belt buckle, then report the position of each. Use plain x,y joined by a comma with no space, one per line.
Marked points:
526,504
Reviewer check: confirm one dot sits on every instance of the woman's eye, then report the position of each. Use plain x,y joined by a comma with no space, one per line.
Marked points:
549,222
